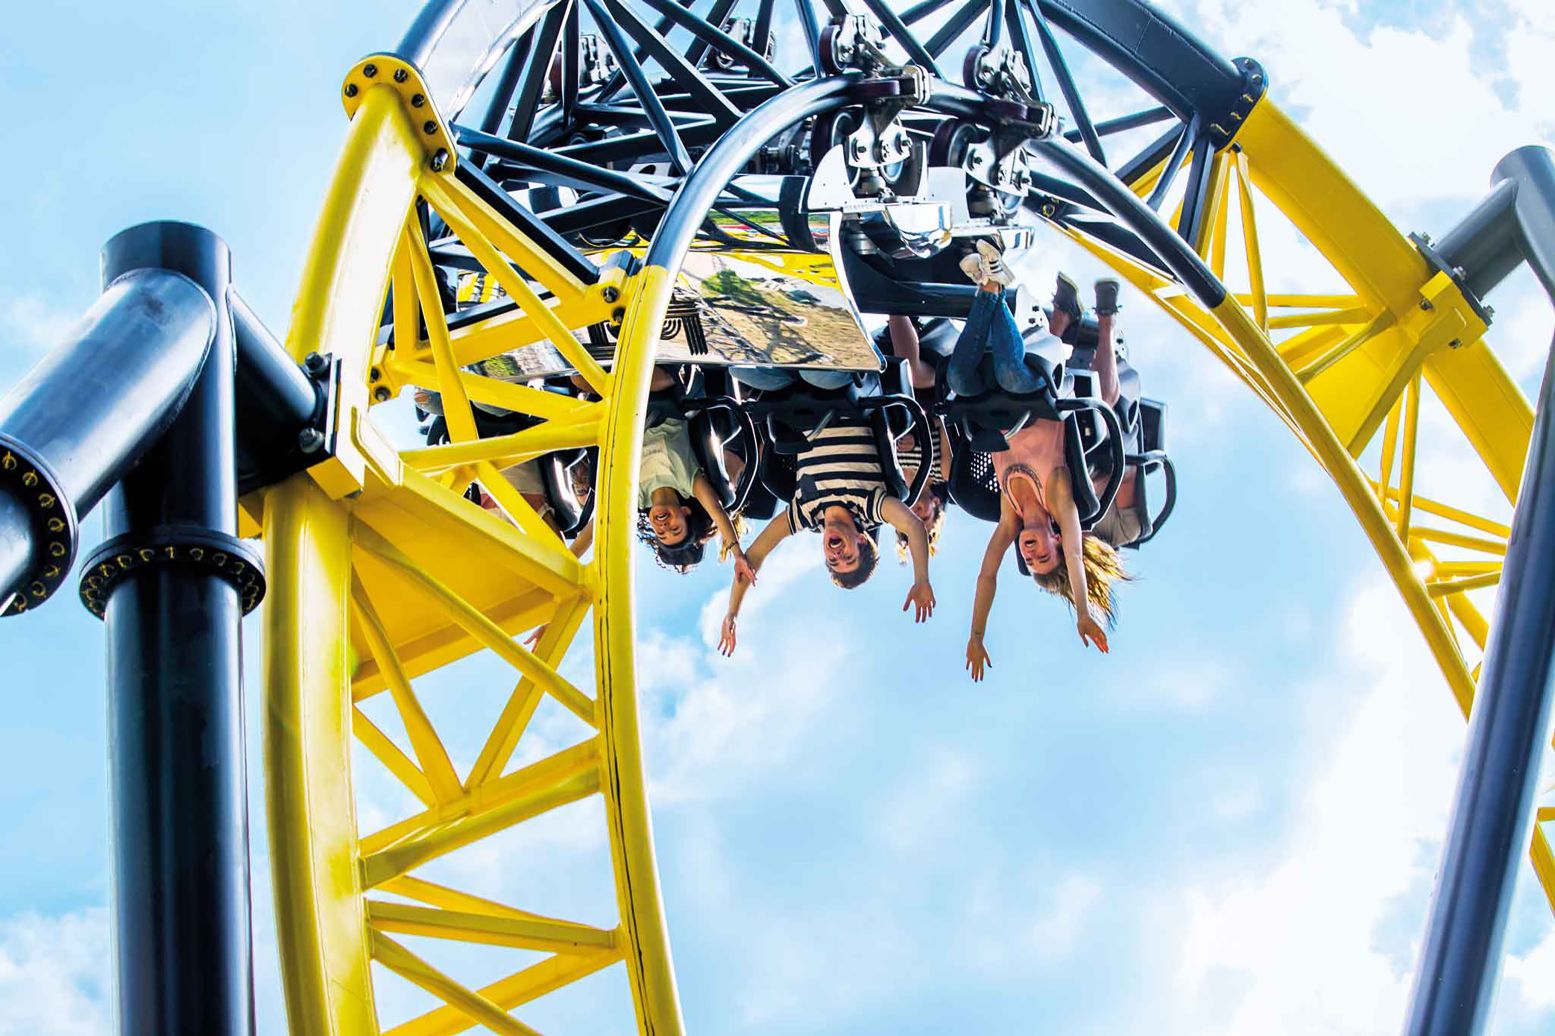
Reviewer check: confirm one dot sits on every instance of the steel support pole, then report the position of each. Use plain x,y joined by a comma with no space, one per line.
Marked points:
171,582
1509,729
83,415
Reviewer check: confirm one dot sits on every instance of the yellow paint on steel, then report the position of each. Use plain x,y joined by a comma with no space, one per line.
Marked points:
385,573
631,828
381,573
1360,361
310,809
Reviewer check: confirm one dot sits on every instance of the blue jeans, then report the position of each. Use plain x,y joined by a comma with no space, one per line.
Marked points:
990,328
771,379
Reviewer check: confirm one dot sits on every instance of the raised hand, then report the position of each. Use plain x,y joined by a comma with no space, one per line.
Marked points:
533,640
726,638
1091,633
742,568
922,596
977,658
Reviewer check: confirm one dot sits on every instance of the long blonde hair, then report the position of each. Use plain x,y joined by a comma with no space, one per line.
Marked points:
1103,571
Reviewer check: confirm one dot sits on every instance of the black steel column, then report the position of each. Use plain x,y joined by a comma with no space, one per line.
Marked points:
171,582
1509,728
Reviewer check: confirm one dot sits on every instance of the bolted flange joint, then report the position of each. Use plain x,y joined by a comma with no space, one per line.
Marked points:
184,546
55,530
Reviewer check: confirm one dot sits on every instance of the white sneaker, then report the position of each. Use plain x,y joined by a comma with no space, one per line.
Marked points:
993,264
972,266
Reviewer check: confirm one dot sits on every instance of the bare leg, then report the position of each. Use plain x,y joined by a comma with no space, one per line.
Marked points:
1059,323
1107,358
904,343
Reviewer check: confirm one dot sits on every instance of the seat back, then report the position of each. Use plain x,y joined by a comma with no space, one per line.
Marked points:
556,475
792,415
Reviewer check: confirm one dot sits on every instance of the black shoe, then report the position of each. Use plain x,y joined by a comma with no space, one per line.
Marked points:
1107,296
1066,298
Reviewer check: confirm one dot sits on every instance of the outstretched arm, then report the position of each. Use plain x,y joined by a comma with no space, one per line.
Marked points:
1061,500
987,585
707,496
775,532
905,522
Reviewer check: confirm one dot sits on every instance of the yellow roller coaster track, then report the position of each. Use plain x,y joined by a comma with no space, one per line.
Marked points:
380,572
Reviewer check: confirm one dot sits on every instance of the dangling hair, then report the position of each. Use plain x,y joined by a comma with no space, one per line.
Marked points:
1103,571
687,554
931,527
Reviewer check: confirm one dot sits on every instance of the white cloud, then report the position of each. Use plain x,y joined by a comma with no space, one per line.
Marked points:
1530,978
921,807
31,325
1348,88
1064,911
1310,944
54,974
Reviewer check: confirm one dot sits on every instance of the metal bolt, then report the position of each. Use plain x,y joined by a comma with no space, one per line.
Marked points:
617,315
382,394
315,365
1427,305
439,160
429,127
350,89
400,75
417,100
1455,343
369,70
610,294
374,374
310,440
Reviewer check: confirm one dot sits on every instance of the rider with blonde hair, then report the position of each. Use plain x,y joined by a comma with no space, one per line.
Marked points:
1037,510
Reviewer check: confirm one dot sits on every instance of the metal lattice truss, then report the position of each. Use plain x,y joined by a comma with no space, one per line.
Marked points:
536,173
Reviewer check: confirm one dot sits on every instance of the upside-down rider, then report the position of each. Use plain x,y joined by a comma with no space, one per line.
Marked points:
840,493
1037,510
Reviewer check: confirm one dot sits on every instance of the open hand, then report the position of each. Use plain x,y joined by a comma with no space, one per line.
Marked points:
1091,633
977,658
726,637
742,568
921,595
533,640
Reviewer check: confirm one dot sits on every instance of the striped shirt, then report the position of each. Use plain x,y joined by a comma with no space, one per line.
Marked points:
839,468
936,459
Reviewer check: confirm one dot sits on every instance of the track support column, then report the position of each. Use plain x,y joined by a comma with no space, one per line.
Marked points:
1509,728
172,582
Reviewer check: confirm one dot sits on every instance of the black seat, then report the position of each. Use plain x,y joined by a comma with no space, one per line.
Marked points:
1093,440
555,469
715,421
1152,457
792,415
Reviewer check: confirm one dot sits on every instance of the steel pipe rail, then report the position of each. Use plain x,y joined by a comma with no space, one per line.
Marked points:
168,583
86,413
1509,727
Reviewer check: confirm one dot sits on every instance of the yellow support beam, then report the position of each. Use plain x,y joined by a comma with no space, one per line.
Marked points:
463,926
413,969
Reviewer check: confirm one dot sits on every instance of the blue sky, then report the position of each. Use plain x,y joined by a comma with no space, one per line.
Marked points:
1228,825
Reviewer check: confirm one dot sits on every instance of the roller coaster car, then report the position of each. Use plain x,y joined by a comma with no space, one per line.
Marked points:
1144,433
715,422
556,469
1094,443
791,416
1151,457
